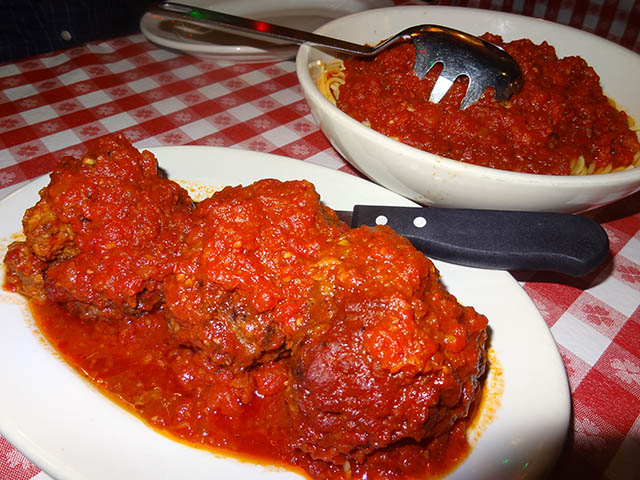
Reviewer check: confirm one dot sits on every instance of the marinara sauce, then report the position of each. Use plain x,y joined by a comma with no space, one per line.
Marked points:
139,364
560,114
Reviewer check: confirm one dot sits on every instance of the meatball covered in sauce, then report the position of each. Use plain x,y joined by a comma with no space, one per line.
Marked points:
395,357
104,233
240,288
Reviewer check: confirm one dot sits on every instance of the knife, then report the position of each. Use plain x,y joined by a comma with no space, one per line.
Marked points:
495,239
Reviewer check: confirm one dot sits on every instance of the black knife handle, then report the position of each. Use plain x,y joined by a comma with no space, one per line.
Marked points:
497,239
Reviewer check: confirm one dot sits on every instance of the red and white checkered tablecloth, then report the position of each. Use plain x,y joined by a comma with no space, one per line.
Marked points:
616,20
62,103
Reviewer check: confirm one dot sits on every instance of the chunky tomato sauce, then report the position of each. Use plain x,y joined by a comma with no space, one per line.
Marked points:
138,362
254,321
560,114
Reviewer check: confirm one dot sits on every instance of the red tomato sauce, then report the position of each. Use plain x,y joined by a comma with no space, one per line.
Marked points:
561,112
138,363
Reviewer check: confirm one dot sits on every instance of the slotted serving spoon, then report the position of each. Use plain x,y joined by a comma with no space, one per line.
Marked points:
461,54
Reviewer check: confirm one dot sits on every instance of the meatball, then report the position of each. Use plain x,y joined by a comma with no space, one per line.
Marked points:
106,231
240,289
396,357
47,235
24,271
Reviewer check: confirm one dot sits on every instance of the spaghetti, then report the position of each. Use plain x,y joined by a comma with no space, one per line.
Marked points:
561,123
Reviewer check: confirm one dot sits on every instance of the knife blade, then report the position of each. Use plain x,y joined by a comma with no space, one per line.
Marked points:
494,239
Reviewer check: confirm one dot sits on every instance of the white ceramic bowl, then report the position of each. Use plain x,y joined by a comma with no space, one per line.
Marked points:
434,180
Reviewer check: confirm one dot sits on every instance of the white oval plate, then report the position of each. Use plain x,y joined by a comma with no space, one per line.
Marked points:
216,45
71,431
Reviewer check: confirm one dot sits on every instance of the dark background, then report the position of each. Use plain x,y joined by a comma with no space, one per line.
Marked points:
30,27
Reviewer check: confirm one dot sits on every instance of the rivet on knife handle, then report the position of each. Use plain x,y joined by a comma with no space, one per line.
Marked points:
497,239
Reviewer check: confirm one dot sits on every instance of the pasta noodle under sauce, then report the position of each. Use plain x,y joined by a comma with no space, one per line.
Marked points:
560,123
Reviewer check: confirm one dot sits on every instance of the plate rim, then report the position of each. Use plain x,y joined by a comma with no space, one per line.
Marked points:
148,24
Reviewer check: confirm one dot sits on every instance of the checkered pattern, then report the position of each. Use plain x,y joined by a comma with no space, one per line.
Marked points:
596,324
616,20
61,103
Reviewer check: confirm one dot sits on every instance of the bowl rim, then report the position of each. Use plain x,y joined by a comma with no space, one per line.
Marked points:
457,166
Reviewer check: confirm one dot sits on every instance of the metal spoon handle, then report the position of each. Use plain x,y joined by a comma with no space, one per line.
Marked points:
204,17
